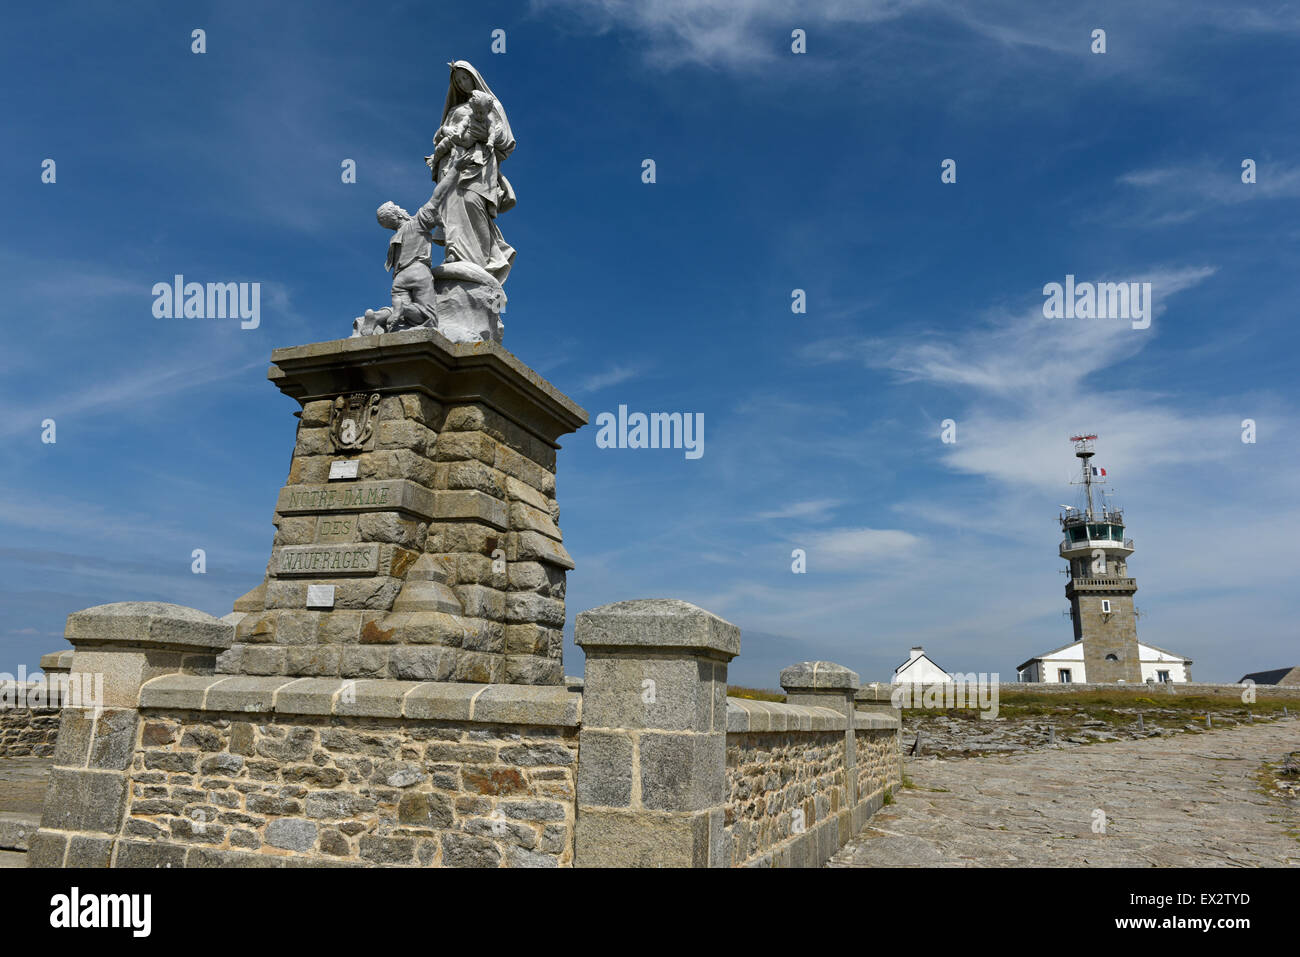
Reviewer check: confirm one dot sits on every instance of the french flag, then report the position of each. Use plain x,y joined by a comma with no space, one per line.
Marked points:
1097,471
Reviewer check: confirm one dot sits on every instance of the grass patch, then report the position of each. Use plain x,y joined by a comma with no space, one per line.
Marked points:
1113,708
1269,777
913,786
754,694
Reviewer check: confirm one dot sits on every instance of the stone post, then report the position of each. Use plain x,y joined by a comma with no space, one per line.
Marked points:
876,696
118,648
824,684
652,749
56,663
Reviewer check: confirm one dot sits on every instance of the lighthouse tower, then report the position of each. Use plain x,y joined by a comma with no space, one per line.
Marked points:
1099,588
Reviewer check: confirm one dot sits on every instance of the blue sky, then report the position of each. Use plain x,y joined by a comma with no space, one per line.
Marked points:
775,172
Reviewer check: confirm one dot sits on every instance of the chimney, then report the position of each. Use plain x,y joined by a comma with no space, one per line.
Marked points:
916,653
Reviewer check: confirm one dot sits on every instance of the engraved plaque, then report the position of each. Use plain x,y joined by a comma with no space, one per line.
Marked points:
344,469
323,561
389,495
320,596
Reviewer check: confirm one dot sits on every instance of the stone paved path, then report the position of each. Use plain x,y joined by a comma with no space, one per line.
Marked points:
22,792
1185,801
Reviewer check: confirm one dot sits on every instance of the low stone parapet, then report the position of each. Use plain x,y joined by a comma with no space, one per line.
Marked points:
674,773
551,706
646,762
248,771
29,708
29,719
745,715
803,778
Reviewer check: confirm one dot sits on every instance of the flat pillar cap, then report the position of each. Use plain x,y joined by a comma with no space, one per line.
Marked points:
149,624
819,676
57,661
874,692
651,624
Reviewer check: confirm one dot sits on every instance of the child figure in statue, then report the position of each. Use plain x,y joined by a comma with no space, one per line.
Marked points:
471,128
409,260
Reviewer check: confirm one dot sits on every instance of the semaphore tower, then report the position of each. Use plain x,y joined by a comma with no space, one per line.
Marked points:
1099,589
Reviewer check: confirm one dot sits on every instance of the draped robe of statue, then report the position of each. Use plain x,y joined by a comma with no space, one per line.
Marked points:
469,230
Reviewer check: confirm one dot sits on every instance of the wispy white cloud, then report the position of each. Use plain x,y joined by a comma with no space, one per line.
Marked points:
1017,353
748,34
843,546
103,397
1181,192
723,33
614,375
814,509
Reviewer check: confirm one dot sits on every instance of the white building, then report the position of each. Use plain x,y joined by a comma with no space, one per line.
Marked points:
919,669
1065,665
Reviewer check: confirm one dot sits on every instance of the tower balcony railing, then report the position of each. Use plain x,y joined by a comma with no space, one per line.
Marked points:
1101,584
1089,544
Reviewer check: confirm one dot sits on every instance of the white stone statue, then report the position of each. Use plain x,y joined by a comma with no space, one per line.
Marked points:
462,297
474,122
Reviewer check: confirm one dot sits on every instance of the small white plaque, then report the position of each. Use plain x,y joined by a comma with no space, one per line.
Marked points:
344,469
320,596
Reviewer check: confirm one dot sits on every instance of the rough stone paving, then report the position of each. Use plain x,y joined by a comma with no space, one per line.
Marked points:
1189,801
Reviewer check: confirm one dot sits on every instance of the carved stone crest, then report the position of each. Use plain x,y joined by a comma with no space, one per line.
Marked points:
352,421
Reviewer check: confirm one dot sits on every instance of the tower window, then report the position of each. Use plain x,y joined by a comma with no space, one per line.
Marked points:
1112,657
1105,606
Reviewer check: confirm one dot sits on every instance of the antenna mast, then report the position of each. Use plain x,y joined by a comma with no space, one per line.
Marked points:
1083,448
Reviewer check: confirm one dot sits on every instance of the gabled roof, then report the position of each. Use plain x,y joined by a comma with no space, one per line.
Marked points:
1166,651
1023,665
911,661
1267,677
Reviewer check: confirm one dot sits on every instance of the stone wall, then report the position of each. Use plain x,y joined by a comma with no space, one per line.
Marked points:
436,794
29,710
880,759
793,797
1158,688
779,784
273,772
881,691
27,731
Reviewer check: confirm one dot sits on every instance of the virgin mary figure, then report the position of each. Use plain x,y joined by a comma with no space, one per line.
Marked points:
474,122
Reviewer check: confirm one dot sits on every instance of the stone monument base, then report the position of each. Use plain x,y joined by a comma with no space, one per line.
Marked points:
416,536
